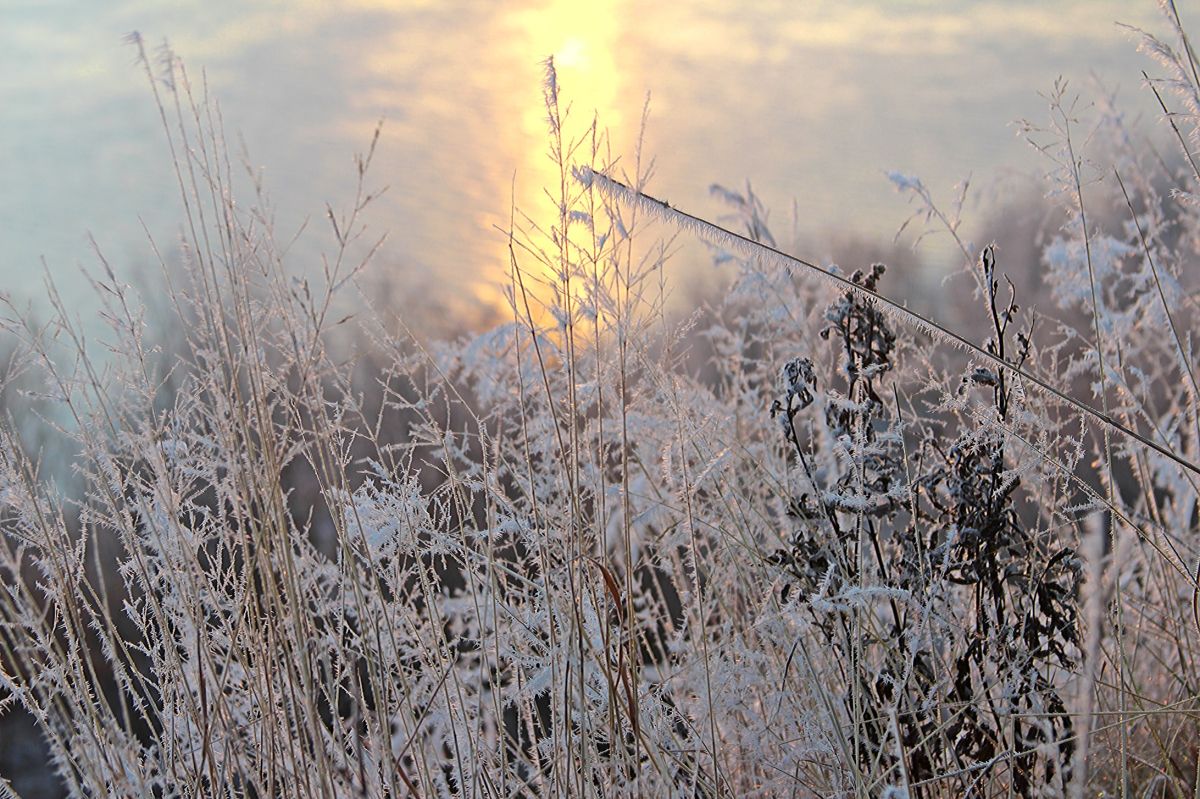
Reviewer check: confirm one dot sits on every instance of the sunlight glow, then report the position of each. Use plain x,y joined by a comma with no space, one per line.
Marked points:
584,40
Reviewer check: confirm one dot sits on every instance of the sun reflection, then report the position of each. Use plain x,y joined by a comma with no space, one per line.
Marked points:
583,39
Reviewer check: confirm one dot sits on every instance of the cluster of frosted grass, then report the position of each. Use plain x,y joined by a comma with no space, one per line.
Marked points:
541,561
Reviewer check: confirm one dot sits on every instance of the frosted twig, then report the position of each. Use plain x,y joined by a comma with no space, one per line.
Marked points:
728,239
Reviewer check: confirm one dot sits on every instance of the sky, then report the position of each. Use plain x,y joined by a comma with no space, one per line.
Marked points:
811,102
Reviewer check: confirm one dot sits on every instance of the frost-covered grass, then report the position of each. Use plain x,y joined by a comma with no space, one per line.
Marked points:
803,543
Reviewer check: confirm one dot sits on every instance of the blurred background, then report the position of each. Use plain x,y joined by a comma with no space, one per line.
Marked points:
811,102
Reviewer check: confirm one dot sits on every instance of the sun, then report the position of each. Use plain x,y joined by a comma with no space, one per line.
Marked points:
584,40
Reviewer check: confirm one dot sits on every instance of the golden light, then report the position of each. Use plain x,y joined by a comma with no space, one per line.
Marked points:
584,40
501,59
